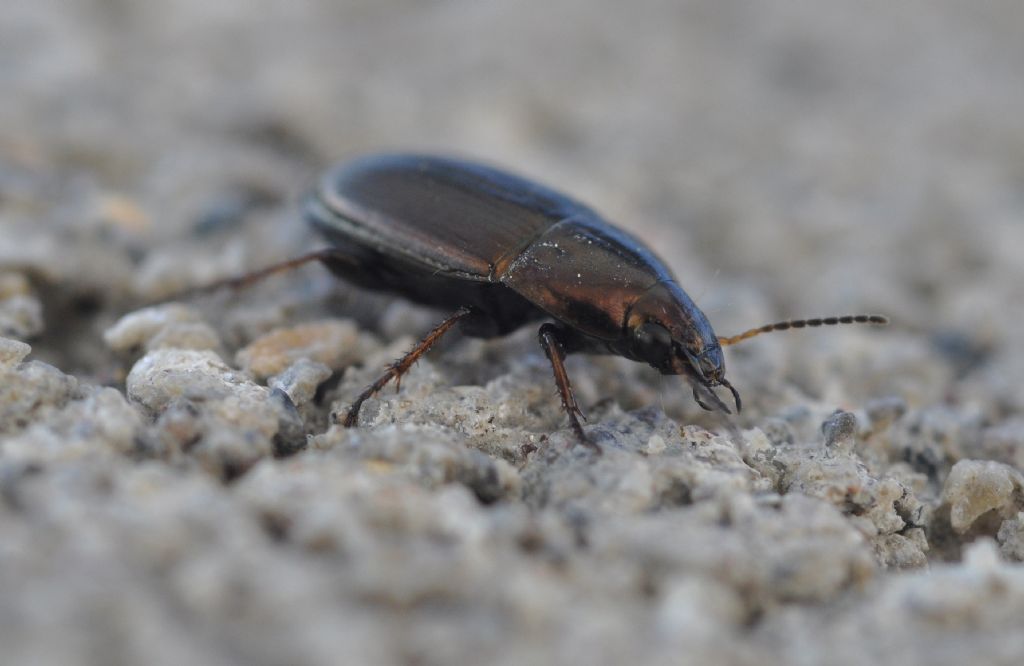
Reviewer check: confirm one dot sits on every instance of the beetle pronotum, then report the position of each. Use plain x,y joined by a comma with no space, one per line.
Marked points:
500,251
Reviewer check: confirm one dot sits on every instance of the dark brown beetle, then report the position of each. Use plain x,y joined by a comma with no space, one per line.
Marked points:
501,251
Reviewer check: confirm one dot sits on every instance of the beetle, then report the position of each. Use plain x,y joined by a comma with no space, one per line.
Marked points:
499,251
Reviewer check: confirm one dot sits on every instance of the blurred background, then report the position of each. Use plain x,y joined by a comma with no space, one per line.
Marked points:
794,158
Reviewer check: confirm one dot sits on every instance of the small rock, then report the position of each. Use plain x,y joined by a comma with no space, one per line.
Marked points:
1004,442
12,352
301,380
101,423
656,445
933,438
30,389
975,487
839,431
902,551
185,335
14,284
778,431
700,605
982,557
21,317
224,420
335,343
291,430
121,212
1011,538
883,412
164,375
428,454
21,313
140,329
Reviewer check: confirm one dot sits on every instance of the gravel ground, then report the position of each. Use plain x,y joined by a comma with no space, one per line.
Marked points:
172,489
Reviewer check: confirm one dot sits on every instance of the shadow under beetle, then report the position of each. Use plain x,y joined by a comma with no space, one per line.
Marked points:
501,251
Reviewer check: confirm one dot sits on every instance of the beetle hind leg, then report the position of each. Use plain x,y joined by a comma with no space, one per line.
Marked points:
402,365
326,257
551,341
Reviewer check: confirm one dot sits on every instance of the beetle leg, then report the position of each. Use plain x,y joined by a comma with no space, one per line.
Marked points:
402,365
236,282
555,351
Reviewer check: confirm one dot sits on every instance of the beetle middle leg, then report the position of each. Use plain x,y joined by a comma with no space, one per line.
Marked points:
402,365
554,348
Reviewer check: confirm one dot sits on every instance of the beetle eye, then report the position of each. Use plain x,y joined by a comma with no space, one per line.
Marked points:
653,341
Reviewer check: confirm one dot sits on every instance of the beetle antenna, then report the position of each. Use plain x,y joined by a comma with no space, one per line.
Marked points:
878,320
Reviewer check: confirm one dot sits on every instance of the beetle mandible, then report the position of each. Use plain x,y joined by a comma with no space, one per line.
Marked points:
500,251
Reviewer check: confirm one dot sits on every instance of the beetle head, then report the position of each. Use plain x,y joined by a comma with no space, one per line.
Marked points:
672,335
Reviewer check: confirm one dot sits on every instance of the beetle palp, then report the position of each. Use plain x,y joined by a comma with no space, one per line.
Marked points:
718,404
735,394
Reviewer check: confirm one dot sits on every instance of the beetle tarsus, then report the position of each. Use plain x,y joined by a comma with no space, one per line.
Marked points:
398,368
551,341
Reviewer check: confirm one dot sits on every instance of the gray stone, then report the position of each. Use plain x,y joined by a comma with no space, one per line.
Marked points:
12,352
162,326
30,390
213,413
21,317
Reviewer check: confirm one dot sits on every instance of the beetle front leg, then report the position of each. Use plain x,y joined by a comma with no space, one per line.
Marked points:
551,341
402,365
